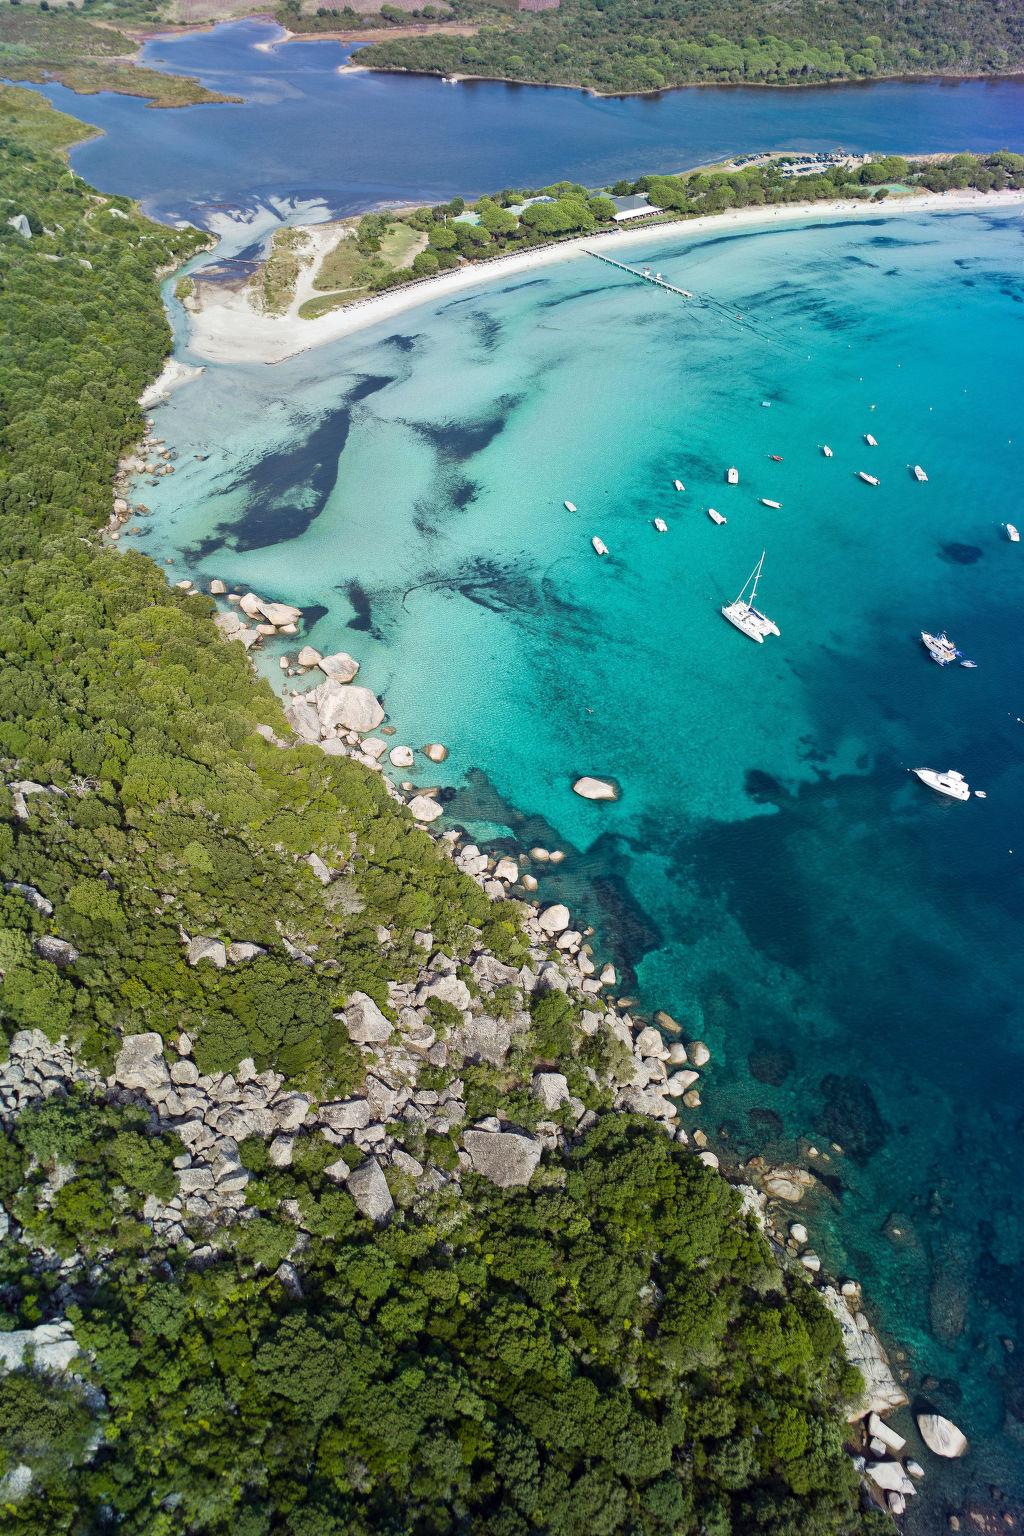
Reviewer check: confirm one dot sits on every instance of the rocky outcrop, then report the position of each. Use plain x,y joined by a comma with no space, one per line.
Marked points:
345,706
369,1189
364,1021
140,1063
881,1392
341,667
425,809
506,1158
941,1436
47,1347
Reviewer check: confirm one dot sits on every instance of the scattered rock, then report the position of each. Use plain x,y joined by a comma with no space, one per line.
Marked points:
554,919
364,1021
346,706
401,757
58,951
425,809
29,893
798,1232
878,1429
551,1088
890,1476
789,1184
595,789
941,1436
319,868
435,751
50,1346
140,1063
207,949
341,667
369,1189
506,1158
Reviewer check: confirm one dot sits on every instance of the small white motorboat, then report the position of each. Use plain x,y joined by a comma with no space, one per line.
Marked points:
776,506
826,450
1011,533
600,547
868,479
950,783
920,475
732,476
570,506
872,442
661,525
716,517
980,794
766,404
679,485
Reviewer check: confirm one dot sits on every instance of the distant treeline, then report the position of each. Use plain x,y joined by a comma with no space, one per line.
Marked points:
646,45
567,209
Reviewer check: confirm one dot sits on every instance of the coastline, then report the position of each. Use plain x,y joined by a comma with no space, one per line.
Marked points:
225,328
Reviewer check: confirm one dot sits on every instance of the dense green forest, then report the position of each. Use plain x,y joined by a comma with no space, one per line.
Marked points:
646,45
614,1348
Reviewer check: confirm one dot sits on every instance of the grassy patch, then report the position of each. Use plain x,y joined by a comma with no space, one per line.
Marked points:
314,308
29,119
400,244
281,271
39,45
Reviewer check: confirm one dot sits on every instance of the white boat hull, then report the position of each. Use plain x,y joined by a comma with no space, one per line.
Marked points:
951,784
756,626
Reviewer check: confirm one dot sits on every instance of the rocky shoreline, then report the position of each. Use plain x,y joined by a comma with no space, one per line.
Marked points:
447,1019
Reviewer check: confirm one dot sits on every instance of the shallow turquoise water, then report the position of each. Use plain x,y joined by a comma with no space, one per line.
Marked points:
845,941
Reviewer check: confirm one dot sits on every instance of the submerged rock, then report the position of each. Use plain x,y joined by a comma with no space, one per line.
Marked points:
595,789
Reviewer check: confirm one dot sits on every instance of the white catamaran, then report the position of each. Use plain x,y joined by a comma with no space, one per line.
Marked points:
754,624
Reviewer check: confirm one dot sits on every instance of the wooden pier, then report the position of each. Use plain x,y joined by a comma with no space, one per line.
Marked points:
645,276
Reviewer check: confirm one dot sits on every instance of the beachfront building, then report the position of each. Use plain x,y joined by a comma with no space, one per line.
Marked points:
635,207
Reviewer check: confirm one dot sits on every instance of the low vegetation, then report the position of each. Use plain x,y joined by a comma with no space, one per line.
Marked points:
39,44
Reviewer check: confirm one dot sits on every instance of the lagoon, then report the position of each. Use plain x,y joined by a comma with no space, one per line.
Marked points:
357,139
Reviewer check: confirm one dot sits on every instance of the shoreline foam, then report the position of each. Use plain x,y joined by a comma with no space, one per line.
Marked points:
226,329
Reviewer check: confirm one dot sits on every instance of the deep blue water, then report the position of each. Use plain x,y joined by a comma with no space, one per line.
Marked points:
357,139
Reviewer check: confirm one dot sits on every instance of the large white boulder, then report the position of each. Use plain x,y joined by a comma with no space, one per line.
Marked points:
554,919
140,1062
862,1349
550,1088
364,1021
595,789
890,1476
878,1429
280,614
941,1436
369,1189
51,1346
424,808
341,666
348,706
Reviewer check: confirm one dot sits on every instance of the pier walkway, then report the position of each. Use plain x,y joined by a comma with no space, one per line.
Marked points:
646,276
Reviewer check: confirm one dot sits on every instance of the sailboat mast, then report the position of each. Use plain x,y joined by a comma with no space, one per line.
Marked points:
757,578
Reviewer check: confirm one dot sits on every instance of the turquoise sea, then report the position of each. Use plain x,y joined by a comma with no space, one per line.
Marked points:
846,941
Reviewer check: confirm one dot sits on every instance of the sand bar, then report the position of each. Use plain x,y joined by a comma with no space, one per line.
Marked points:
226,328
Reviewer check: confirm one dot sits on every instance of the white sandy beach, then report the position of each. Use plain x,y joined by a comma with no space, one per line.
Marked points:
227,329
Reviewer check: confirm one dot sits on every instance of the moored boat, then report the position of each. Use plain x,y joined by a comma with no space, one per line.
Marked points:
661,525
950,783
1011,533
600,547
744,616
826,450
570,506
716,517
679,485
776,458
872,442
732,476
940,648
776,506
919,474
868,479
